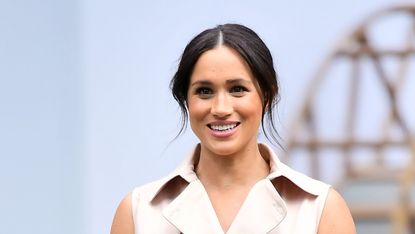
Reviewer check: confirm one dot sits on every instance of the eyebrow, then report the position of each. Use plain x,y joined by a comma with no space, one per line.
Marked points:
231,81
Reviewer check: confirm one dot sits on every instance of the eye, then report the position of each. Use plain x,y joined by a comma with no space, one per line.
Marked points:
238,90
204,92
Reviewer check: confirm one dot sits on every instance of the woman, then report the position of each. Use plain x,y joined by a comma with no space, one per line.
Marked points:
225,85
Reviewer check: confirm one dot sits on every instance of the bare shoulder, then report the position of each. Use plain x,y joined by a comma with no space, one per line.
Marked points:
123,220
336,217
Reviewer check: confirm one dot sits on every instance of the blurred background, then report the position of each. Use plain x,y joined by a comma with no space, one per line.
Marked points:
86,113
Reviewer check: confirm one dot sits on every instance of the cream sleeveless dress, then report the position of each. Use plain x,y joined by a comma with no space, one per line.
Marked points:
285,201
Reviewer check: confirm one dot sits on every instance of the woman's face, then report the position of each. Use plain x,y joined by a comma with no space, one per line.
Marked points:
224,103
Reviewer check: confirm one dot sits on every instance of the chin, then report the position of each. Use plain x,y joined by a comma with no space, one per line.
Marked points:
222,148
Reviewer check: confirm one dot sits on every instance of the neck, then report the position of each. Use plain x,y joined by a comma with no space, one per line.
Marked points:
229,171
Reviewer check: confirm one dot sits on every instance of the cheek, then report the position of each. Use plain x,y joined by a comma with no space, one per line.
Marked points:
251,108
254,114
197,109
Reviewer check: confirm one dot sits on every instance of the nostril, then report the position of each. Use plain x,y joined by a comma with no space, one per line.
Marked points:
221,110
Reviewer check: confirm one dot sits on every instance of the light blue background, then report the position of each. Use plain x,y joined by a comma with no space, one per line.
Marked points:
85,110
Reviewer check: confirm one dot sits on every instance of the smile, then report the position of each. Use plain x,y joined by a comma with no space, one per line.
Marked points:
222,127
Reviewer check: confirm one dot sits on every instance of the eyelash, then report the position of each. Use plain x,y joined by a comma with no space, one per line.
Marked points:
240,88
205,92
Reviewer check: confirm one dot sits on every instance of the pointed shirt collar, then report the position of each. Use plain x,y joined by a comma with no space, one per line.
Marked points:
277,169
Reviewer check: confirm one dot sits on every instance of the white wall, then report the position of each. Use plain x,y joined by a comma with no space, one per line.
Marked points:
41,120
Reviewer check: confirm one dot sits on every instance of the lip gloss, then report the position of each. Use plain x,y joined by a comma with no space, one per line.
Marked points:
223,134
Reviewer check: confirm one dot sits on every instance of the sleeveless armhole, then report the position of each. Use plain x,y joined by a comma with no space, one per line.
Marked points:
134,203
323,199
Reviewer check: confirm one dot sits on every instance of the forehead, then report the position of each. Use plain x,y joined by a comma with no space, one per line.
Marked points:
221,63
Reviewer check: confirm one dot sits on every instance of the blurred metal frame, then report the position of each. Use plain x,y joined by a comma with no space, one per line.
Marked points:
354,46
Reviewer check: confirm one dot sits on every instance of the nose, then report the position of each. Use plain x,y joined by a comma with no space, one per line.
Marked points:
221,106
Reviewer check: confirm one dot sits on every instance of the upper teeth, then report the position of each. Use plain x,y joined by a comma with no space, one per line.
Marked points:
223,127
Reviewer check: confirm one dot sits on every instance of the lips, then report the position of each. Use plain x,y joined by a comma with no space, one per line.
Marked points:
223,129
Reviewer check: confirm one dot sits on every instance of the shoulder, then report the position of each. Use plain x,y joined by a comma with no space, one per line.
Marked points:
281,171
123,222
336,217
304,182
123,219
147,192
